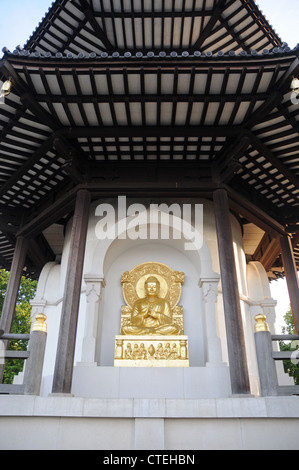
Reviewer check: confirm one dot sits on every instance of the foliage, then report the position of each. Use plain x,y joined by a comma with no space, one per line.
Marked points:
4,275
291,368
22,321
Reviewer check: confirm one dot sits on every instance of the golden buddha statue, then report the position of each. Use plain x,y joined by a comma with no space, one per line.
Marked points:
151,315
151,326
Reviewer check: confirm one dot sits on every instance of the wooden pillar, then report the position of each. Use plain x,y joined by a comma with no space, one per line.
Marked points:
63,373
9,305
13,286
265,361
231,299
291,275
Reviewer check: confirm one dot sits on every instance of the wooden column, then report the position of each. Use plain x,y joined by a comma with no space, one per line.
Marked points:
63,373
16,271
232,309
291,275
9,305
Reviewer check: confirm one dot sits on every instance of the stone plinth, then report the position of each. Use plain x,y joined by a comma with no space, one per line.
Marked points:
151,351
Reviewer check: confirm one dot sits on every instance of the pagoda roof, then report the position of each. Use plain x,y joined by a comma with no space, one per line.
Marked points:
74,26
167,122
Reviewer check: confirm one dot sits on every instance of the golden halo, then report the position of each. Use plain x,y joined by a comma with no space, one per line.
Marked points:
170,282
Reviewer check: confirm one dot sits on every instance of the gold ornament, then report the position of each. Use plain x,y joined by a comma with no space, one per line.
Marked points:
261,324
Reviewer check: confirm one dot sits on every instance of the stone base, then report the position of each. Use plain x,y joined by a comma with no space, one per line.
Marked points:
151,351
61,423
151,382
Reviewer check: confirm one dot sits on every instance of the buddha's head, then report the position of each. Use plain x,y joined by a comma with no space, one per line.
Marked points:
152,286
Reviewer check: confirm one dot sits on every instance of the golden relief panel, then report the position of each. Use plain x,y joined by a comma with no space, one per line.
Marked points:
152,327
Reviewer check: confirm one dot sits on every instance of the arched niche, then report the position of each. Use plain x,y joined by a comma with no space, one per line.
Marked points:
112,257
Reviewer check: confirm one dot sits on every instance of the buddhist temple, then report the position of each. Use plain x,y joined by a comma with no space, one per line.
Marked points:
149,180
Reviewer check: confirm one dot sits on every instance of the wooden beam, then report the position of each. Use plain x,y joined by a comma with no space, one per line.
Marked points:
90,15
150,131
253,213
231,299
295,239
291,276
63,373
50,215
37,255
7,227
270,254
26,96
38,110
211,24
275,98
226,164
76,164
276,162
284,82
35,157
151,98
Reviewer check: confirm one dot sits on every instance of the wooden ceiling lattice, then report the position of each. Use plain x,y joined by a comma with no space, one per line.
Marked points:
153,25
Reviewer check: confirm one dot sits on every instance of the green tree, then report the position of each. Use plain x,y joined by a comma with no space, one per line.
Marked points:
21,323
289,329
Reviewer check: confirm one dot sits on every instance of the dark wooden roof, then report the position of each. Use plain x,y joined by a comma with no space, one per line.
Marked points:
153,25
95,105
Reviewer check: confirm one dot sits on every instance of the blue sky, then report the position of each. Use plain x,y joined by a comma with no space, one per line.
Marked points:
19,18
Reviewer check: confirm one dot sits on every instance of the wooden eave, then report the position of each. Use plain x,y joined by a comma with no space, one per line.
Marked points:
102,26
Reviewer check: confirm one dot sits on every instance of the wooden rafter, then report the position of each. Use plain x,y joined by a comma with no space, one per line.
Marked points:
109,28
